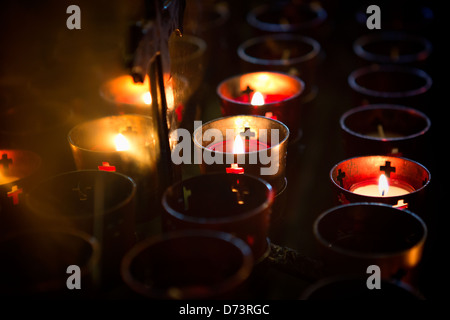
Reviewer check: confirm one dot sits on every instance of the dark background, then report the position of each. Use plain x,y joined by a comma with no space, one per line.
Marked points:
67,67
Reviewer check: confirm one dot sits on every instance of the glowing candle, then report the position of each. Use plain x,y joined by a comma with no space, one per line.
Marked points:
238,148
381,188
258,99
121,143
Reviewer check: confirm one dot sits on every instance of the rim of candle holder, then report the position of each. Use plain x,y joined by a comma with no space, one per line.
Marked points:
352,80
385,159
339,282
268,202
91,263
200,129
254,14
244,46
224,83
395,107
376,206
361,42
89,123
94,173
237,278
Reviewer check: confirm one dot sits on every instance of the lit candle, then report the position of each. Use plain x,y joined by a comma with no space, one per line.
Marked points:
258,99
382,188
125,144
122,143
238,148
274,95
255,143
397,181
135,98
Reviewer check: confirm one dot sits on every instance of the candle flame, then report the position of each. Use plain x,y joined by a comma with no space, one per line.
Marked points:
238,146
383,186
257,99
121,143
147,98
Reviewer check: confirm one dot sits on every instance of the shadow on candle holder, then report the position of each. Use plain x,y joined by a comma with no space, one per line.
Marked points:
190,264
36,261
236,203
19,172
355,236
99,203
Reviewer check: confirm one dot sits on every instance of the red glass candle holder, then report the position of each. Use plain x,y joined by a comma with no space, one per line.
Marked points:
396,84
190,264
19,171
125,144
236,203
385,129
358,179
292,54
393,47
99,203
265,148
281,97
36,263
355,236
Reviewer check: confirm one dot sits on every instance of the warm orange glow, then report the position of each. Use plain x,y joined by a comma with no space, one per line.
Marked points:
257,99
124,90
238,146
383,186
121,143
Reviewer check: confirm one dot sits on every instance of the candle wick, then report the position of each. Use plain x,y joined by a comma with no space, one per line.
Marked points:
382,193
286,54
381,131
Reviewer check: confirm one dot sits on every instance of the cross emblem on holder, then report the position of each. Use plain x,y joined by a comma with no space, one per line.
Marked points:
340,177
270,115
106,167
82,194
248,91
14,194
5,161
387,169
235,169
241,191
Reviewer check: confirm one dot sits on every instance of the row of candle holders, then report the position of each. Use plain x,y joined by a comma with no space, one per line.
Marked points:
93,213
